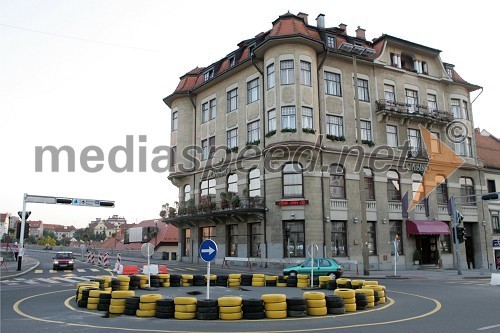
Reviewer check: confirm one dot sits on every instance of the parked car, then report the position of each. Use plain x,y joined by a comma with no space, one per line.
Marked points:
64,260
321,266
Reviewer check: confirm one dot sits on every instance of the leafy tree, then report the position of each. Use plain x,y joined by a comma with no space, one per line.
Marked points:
32,239
47,240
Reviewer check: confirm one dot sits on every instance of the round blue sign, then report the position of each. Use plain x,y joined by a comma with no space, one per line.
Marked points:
208,250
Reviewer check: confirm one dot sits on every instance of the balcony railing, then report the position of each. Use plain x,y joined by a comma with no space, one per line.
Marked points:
405,109
394,207
212,206
338,204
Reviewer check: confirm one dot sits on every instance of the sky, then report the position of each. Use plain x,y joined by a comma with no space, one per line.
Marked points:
83,73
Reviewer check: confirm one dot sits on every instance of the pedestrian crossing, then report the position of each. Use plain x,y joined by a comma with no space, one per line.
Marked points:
478,282
46,281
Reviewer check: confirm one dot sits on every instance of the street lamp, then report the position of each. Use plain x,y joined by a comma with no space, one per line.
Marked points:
355,51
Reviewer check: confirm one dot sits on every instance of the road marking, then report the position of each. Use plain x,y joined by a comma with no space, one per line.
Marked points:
80,270
26,281
94,270
488,327
38,271
50,280
52,271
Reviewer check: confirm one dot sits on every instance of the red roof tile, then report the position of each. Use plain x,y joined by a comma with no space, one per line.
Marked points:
488,149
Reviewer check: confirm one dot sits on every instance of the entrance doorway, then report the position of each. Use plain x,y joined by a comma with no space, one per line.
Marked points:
469,246
427,244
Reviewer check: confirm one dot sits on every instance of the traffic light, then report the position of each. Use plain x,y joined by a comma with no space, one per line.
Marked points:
461,234
460,218
490,196
27,214
65,201
26,230
104,203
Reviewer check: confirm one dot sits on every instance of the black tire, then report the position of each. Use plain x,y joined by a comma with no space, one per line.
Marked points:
102,307
361,303
253,309
130,312
360,307
297,307
165,302
165,308
335,304
104,296
296,301
252,302
132,300
203,303
271,284
82,304
207,316
132,306
104,301
213,309
164,315
293,313
335,311
254,315
292,273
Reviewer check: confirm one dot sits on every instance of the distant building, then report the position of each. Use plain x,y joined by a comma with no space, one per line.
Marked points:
36,228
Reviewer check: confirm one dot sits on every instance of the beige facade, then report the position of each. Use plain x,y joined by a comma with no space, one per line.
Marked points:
309,93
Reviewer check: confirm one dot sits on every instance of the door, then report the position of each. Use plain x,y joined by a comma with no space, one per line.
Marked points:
428,248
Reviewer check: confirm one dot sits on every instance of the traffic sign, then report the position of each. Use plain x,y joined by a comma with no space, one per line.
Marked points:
208,250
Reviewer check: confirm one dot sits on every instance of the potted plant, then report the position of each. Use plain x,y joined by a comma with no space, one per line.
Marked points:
191,208
417,256
235,201
224,202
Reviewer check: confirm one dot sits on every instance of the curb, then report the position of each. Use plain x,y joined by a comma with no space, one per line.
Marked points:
3,277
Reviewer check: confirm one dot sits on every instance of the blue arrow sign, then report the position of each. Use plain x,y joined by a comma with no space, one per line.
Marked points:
208,250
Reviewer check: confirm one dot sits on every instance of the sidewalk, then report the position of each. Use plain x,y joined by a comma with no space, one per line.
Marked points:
8,269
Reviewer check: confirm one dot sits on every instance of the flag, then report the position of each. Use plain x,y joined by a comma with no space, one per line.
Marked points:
449,207
426,206
404,204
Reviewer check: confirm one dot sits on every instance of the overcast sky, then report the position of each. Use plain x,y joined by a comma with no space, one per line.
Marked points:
90,72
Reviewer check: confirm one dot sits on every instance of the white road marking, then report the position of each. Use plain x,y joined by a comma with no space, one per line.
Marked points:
488,327
38,271
94,270
52,271
80,270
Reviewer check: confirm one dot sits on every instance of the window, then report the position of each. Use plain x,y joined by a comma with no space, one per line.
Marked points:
253,131
204,149
396,228
441,190
444,243
288,117
363,94
232,183
396,60
393,186
204,112
455,109
208,74
252,91
207,233
211,147
271,120
296,242
330,42
491,185
173,153
432,103
334,126
416,179
305,73
232,61
467,188
495,221
232,100
332,84
307,117
254,183
187,193
287,76
337,182
372,238
175,120
232,138
464,148
389,93
366,130
435,143
207,148
414,142
232,240
292,180
369,185
186,248
392,136
271,80
339,239
207,188
255,239
449,71
412,99
466,109
213,108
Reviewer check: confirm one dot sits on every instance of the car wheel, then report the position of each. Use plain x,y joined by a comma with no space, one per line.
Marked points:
332,275
292,273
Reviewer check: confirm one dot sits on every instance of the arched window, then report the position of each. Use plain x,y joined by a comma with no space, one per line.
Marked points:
232,183
207,188
337,182
467,188
393,187
187,192
254,183
441,190
416,180
292,180
369,184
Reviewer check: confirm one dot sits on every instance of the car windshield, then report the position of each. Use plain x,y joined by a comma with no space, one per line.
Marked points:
64,256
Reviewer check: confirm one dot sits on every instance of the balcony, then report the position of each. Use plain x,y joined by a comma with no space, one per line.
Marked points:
387,108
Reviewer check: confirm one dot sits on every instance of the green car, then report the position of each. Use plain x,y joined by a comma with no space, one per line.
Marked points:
321,266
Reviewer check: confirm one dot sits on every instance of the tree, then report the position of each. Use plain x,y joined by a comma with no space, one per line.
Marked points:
32,239
47,240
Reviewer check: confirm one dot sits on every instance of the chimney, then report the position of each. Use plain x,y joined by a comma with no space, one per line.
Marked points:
360,33
343,27
303,16
320,21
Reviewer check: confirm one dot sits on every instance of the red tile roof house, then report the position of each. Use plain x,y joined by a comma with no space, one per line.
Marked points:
36,228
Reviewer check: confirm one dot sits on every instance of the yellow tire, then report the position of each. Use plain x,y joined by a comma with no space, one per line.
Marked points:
87,284
145,313
382,300
350,300
324,278
117,301
256,275
279,306
93,300
231,285
357,283
108,290
123,278
147,306
231,316
370,305
312,295
186,284
271,278
258,284
316,303
92,306
230,309
343,281
165,284
150,298
273,298
185,300
230,301
184,315
164,276
302,284
235,276
381,293
116,309
366,291
122,294
233,280
185,308
317,311
212,277
123,288
370,283
344,293
276,314
302,276
96,293
281,284
187,276
350,307
370,299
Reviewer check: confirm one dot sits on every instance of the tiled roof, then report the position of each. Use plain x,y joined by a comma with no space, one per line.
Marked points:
488,149
35,224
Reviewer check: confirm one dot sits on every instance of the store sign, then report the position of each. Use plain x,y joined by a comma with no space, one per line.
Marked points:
292,203
415,167
496,243
218,173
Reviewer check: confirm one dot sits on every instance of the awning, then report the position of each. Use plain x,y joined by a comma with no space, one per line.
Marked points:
414,227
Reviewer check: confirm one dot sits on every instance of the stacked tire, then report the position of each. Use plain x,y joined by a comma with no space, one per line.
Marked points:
135,282
131,305
334,304
230,307
302,280
83,297
154,281
332,285
361,301
258,280
165,308
253,309
323,281
296,307
212,279
271,280
349,297
221,280
291,281
117,303
144,281
357,284
370,298
93,299
207,309
187,280
185,307
379,296
344,283
246,279
147,305
175,280
281,281
198,280
115,284
124,282
104,301
234,280
164,280
316,303
275,306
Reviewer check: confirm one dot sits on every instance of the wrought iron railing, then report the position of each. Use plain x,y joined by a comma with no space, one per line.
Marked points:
413,109
206,206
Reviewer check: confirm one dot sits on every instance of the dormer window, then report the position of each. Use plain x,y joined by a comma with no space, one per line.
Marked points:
449,70
232,61
330,42
395,60
251,48
208,74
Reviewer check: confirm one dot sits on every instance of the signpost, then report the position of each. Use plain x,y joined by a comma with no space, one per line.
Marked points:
312,250
208,252
396,253
147,250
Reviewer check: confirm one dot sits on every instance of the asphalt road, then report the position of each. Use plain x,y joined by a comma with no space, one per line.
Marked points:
416,305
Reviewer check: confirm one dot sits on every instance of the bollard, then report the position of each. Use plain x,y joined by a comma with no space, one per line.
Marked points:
106,260
99,259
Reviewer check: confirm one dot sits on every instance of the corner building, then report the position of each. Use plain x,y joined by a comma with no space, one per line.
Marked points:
265,145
